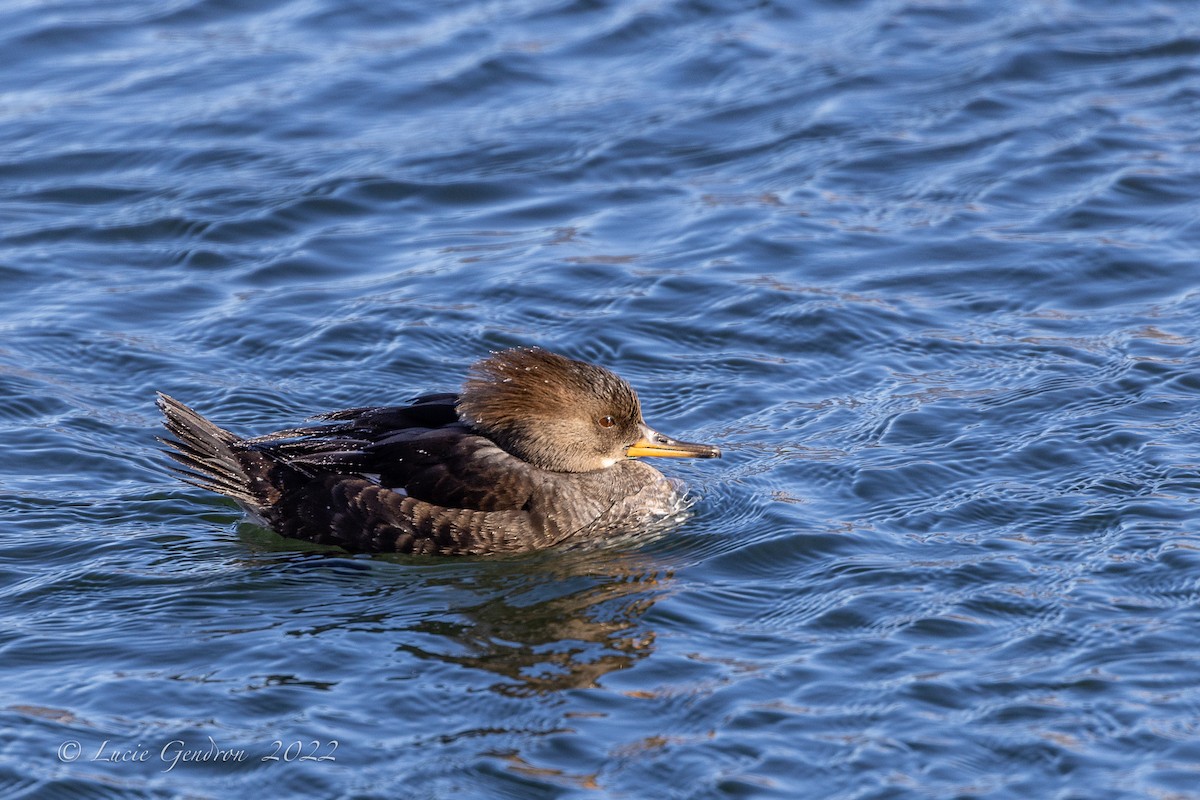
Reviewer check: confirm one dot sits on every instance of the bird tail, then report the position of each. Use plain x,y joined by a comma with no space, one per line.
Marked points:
212,458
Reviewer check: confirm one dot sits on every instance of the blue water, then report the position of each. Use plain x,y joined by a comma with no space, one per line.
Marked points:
926,271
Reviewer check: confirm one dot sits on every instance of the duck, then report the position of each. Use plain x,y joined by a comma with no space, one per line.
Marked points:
536,450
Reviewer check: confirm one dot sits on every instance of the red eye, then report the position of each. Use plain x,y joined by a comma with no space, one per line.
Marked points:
606,422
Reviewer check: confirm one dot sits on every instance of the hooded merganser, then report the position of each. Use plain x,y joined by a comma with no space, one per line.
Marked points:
536,450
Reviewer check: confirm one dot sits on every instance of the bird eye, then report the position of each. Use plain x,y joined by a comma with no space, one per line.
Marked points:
606,422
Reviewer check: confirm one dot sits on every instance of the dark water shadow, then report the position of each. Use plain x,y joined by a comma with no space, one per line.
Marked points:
540,623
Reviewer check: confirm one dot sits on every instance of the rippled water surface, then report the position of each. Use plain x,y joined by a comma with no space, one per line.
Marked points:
926,271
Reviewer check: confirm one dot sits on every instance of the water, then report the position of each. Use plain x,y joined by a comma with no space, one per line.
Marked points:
925,271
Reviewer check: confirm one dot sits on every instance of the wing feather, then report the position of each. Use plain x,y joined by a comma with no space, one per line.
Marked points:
421,449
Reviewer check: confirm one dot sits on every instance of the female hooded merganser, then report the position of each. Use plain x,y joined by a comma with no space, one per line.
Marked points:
536,450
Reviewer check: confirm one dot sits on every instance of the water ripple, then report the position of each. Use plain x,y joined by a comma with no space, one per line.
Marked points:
923,271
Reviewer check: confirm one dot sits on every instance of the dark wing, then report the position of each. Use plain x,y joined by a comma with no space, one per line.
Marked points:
421,449
358,514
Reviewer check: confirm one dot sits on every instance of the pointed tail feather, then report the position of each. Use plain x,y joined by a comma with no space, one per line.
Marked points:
212,458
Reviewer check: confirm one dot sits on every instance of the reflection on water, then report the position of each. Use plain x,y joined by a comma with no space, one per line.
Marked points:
543,623
572,620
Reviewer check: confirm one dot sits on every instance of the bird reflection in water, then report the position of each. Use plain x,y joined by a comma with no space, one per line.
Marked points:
563,622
